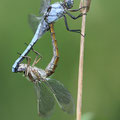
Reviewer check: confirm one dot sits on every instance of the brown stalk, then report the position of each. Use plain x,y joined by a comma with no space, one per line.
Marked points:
81,59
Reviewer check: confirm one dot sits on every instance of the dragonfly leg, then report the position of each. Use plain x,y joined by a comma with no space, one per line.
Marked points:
36,61
75,10
28,63
73,17
76,31
27,58
37,53
36,58
53,63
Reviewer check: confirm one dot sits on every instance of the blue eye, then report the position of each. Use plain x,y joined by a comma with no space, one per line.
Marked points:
69,4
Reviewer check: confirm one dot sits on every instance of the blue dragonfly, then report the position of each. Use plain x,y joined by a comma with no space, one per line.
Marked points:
49,13
47,90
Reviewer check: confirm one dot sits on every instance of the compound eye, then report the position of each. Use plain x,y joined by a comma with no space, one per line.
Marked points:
69,5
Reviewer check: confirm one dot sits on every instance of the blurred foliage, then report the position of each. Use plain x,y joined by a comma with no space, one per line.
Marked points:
87,116
101,86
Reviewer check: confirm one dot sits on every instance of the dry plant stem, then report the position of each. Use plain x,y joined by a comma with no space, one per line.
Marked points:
80,75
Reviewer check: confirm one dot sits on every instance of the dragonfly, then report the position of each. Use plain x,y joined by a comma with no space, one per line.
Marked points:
49,14
47,90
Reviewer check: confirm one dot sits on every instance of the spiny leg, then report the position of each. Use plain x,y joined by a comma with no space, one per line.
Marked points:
34,51
28,63
73,17
75,10
53,63
27,58
36,60
76,31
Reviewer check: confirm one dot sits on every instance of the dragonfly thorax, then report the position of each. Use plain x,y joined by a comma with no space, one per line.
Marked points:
68,3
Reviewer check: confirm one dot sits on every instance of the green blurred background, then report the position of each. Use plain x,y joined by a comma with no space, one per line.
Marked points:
101,85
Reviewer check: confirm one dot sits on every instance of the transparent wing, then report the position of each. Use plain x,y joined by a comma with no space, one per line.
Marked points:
34,21
45,99
62,95
44,5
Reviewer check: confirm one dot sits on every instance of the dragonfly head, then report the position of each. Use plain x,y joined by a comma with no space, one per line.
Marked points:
68,3
22,67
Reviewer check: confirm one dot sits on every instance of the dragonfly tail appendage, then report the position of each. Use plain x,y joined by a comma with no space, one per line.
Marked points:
53,63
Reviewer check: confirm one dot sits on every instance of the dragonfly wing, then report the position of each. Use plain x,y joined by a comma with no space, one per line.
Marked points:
44,5
34,21
45,99
62,95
